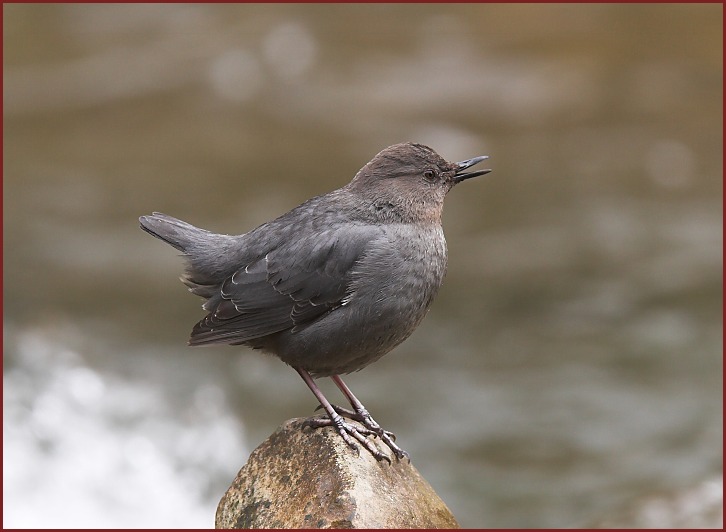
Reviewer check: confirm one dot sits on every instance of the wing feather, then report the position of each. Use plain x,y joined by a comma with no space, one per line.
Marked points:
289,287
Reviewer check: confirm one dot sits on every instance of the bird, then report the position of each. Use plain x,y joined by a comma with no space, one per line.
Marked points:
333,284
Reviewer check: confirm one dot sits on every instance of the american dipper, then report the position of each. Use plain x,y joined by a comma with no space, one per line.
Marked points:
334,284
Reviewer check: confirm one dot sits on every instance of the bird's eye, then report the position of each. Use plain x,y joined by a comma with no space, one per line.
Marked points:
429,175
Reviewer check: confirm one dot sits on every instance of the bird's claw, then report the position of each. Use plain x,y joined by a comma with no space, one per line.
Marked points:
350,434
371,428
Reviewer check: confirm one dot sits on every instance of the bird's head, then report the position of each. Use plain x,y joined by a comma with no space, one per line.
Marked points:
411,180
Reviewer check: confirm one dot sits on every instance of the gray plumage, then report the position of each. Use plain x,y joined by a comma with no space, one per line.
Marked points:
334,284
338,281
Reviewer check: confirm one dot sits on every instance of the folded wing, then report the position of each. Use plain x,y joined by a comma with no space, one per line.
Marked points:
291,286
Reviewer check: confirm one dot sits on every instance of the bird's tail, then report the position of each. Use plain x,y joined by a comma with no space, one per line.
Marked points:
210,257
180,234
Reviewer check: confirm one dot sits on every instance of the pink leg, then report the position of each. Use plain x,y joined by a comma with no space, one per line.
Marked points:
347,431
364,417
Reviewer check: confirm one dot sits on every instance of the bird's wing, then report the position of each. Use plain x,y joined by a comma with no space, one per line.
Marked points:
289,287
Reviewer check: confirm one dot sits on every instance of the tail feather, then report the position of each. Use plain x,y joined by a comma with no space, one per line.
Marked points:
210,257
180,234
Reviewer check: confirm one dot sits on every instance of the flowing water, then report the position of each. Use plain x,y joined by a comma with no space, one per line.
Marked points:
572,363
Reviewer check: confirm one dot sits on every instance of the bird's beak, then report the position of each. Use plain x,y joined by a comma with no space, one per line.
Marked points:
463,165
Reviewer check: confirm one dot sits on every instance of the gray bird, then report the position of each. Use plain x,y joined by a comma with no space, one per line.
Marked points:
334,284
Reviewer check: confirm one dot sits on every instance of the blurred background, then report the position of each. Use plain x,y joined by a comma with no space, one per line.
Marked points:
570,371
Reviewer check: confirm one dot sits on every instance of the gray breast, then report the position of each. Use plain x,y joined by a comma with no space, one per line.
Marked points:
393,285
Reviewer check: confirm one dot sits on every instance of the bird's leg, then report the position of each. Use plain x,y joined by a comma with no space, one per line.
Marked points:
347,431
352,414
362,415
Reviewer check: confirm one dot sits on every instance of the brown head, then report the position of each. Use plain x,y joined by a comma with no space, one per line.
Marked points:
408,182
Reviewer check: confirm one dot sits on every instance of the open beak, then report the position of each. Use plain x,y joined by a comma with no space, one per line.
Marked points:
463,165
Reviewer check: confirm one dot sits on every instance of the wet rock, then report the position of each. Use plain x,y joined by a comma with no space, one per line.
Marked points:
305,478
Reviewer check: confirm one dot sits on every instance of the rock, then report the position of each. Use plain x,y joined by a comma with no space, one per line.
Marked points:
309,478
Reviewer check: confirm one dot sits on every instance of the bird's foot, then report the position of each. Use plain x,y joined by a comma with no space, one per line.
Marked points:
350,434
362,416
